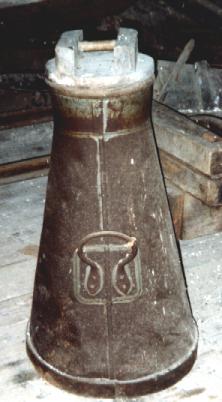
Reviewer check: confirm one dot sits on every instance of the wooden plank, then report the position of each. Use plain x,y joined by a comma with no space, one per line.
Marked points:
25,166
212,123
23,176
25,142
18,276
21,206
24,96
176,202
14,310
12,341
200,186
191,217
182,138
200,219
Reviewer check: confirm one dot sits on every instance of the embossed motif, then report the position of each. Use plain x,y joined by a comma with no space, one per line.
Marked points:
107,278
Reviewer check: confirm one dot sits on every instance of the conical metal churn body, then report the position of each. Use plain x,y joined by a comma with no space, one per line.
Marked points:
110,312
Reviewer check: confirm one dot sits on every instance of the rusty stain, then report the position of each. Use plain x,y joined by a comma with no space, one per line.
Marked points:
30,249
210,137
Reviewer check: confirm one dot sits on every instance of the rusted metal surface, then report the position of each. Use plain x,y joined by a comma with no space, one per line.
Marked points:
110,314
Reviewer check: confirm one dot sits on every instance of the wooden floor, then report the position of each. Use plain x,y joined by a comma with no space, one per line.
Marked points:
21,209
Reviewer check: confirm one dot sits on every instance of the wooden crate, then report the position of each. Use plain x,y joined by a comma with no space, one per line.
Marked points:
191,217
190,143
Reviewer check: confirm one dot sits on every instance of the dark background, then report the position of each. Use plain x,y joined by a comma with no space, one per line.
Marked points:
29,31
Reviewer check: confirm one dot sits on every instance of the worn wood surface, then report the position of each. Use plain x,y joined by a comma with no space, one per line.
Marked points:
202,187
200,219
191,217
21,208
18,176
176,203
23,96
25,142
35,165
25,152
179,136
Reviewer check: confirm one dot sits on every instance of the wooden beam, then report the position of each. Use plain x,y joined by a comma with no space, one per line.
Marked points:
23,170
176,202
181,137
199,219
202,187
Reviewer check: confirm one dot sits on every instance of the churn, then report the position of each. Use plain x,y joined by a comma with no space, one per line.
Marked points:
110,315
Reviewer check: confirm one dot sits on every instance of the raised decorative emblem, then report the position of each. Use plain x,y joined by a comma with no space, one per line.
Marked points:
107,272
